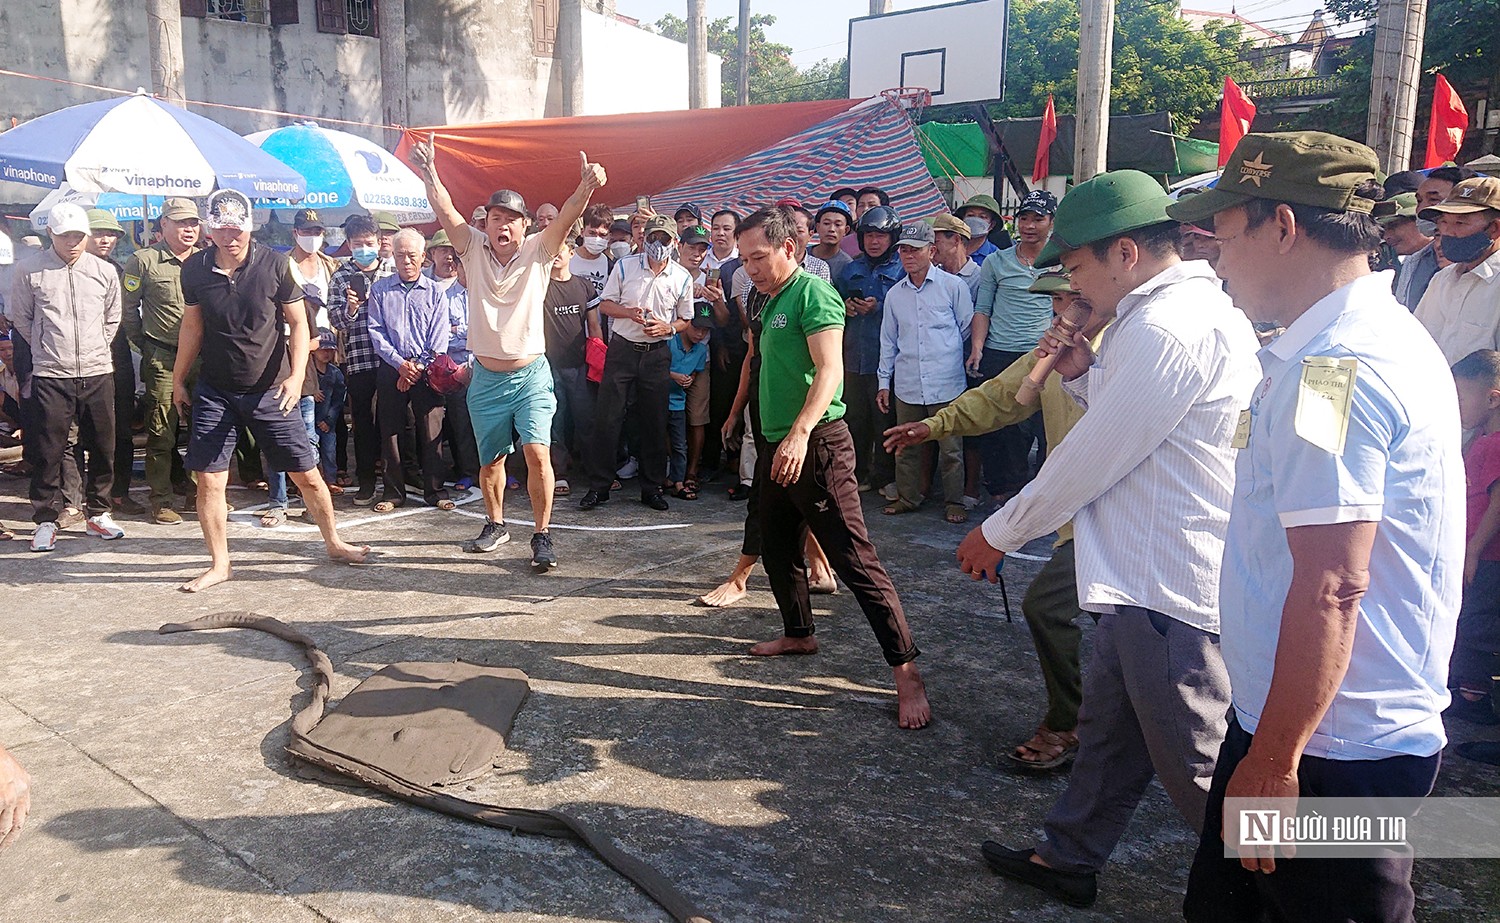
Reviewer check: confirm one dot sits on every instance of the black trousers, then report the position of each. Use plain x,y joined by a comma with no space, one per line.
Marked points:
427,415
362,388
1006,452
722,385
644,373
825,499
867,426
124,457
458,430
753,543
1308,890
56,404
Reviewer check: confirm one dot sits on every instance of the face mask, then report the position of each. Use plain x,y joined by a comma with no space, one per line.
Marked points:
657,252
1427,228
310,243
595,245
619,249
365,256
1466,249
978,227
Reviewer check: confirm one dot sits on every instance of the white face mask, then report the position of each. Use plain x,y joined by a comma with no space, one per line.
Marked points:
595,245
979,227
619,249
310,243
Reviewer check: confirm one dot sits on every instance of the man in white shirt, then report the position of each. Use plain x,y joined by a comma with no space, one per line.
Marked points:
649,297
1461,308
951,251
590,260
1147,475
1344,559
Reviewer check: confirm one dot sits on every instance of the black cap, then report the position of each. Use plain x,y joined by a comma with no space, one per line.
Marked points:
510,200
690,209
704,316
306,218
1039,201
694,234
619,226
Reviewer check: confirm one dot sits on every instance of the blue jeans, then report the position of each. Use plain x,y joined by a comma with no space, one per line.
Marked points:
277,479
677,430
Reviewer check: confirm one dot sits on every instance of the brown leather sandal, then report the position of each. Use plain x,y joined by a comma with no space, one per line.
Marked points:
1047,749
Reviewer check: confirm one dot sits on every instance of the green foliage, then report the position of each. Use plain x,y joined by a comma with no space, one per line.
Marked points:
773,76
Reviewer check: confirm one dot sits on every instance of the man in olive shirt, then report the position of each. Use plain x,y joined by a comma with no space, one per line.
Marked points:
152,316
807,471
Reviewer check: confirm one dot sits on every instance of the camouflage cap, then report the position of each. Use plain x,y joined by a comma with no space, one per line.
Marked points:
1297,167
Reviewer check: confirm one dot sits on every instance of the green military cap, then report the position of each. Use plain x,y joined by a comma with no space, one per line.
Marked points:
386,221
1053,280
985,202
1109,204
179,209
102,220
1297,167
1394,209
440,239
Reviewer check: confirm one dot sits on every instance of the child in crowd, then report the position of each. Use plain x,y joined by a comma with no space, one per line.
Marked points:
327,414
1476,656
689,359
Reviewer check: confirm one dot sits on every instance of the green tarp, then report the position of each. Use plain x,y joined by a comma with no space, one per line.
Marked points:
1136,142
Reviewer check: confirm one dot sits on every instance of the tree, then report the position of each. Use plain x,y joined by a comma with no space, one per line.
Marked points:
773,76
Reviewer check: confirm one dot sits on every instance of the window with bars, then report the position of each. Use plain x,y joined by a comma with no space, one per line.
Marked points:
351,17
239,11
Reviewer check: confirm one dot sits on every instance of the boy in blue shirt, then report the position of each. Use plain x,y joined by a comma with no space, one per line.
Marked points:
689,359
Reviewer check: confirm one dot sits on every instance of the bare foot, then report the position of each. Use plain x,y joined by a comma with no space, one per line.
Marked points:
911,697
821,583
209,578
348,554
726,594
785,645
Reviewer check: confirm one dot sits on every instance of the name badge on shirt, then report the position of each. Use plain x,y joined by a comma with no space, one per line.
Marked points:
1242,431
1325,395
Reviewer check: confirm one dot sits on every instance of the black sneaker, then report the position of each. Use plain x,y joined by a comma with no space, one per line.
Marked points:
365,496
543,558
593,498
1076,889
492,536
654,499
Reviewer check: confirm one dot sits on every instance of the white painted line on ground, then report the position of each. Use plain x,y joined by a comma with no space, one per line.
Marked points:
473,496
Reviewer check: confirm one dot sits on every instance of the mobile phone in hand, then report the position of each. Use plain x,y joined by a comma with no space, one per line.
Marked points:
713,274
643,204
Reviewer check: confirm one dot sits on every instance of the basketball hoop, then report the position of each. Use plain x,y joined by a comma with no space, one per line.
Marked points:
912,99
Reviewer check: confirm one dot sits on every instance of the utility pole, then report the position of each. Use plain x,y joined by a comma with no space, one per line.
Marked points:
697,29
393,91
880,7
569,54
742,92
1096,35
1394,73
164,34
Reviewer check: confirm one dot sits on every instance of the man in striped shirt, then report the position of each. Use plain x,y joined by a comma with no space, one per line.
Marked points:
348,291
1147,476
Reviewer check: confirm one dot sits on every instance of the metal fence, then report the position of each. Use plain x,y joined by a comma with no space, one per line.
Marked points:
256,11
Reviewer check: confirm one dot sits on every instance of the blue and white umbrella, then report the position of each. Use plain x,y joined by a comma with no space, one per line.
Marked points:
142,146
123,207
345,173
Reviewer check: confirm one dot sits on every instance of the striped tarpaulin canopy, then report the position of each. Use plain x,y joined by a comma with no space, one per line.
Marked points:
872,144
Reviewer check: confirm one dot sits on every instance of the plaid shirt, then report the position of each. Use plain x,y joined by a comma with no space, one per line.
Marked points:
359,352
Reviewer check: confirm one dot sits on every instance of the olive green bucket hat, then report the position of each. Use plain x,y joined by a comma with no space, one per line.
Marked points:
1109,204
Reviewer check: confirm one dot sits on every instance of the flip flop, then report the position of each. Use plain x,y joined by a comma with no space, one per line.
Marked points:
446,504
273,518
387,506
956,513
561,488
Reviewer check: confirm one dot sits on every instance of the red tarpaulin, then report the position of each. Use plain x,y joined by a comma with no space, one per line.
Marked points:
643,153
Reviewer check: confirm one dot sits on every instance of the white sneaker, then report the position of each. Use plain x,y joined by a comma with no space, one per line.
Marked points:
629,470
104,527
45,537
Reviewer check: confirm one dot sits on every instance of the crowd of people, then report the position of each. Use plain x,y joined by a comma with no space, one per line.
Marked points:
1272,471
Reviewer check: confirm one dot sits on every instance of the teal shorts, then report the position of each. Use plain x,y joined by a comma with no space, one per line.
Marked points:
507,405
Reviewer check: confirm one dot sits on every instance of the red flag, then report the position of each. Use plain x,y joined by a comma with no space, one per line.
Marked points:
1040,168
1445,131
1236,112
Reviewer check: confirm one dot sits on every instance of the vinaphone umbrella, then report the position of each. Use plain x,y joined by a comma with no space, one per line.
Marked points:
345,173
141,146
124,207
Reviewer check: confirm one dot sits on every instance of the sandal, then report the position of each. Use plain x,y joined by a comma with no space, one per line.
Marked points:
446,504
387,506
464,484
691,483
1047,749
898,506
273,518
956,513
561,488
685,492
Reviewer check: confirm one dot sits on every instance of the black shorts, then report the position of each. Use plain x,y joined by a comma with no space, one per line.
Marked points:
217,416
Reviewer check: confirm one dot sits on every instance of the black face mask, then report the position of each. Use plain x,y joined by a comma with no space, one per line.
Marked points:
1468,248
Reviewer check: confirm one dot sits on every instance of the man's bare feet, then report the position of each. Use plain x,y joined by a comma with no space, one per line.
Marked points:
821,583
728,593
209,578
785,645
911,697
349,554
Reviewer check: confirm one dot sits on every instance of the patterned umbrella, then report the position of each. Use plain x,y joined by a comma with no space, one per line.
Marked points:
345,173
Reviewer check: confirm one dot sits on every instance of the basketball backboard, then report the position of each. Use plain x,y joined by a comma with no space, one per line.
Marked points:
957,51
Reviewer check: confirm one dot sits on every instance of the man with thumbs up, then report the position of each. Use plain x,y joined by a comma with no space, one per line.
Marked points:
511,387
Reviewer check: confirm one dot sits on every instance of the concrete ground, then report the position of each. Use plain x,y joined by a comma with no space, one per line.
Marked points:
774,790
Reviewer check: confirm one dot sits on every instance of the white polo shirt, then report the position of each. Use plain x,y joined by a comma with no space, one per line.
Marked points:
667,296
1462,311
1400,466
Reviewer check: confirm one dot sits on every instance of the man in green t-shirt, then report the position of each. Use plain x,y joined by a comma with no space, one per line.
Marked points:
806,474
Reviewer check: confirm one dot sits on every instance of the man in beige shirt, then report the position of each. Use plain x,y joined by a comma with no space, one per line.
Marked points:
507,275
1461,308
